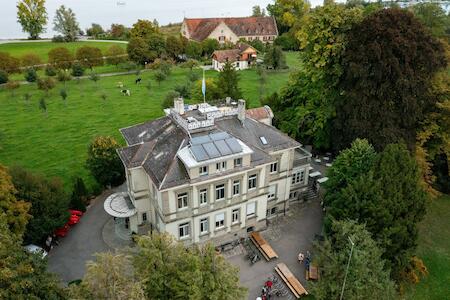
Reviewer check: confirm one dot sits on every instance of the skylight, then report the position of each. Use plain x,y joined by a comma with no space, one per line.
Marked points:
263,140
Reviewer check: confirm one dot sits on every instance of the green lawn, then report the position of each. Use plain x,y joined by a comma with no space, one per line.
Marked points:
56,144
434,249
42,48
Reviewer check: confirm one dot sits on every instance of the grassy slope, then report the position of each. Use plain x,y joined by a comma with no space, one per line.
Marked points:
56,145
172,29
42,48
434,249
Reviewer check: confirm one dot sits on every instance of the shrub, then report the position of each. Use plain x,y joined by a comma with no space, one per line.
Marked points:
184,90
50,71
46,84
168,100
31,60
58,39
78,199
77,70
3,77
30,75
64,75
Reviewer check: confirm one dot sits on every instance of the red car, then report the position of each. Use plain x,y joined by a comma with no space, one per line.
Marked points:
73,220
76,212
62,232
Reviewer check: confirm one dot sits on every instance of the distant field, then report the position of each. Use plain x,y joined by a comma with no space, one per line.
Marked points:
56,144
434,249
42,48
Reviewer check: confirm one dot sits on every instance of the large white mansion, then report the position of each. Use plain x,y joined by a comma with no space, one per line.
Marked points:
207,173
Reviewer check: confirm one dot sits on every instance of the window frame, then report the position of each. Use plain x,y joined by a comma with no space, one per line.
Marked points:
250,215
272,194
222,185
298,177
236,183
251,178
237,162
144,217
182,196
220,222
235,213
202,223
184,226
200,193
274,167
203,170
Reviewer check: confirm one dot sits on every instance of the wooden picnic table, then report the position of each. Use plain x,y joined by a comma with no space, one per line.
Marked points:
291,281
263,246
312,273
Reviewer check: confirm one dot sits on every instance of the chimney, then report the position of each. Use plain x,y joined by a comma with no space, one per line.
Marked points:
178,105
241,110
228,101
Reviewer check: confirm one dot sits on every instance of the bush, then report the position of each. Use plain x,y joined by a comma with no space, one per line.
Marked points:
192,76
77,70
30,75
168,100
50,71
3,77
58,39
79,195
64,76
46,84
184,90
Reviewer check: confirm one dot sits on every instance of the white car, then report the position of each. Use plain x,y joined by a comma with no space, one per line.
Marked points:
36,249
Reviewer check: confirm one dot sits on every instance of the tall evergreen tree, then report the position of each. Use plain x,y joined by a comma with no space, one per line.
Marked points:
228,82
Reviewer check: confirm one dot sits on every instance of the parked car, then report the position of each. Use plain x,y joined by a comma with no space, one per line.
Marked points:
36,250
73,220
62,232
75,212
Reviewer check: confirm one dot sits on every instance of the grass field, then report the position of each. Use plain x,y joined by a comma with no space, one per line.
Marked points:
42,48
55,143
434,249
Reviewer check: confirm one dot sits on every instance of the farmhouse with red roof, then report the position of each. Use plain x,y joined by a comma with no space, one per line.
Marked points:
230,29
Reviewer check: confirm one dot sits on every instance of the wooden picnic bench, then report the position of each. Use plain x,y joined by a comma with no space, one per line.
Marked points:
291,281
312,273
263,246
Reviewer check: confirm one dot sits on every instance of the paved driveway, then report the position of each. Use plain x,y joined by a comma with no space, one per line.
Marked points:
288,236
69,258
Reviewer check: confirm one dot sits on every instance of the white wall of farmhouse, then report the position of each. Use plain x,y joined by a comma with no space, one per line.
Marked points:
222,30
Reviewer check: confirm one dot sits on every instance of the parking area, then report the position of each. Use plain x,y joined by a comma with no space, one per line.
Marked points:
287,235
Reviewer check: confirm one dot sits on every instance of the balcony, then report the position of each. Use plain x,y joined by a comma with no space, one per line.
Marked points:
301,157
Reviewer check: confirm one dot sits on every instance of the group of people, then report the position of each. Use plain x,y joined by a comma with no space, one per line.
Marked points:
266,291
52,240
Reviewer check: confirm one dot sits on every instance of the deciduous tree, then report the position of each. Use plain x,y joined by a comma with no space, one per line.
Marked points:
274,57
48,199
174,47
24,275
257,11
386,80
103,162
95,30
60,58
143,29
8,63
89,57
66,23
46,84
110,276
434,17
14,212
116,55
31,60
168,270
32,15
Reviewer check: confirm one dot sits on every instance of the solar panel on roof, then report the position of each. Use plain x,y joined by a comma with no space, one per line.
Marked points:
234,145
199,153
224,149
211,149
200,140
221,135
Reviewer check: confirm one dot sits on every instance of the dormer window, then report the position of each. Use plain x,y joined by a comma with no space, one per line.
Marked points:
203,170
221,166
237,162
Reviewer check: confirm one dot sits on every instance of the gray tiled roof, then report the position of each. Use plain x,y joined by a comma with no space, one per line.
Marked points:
154,146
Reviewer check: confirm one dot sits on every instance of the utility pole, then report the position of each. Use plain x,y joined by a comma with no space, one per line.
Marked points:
348,265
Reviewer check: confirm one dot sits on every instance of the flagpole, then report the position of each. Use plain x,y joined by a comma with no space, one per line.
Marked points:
204,87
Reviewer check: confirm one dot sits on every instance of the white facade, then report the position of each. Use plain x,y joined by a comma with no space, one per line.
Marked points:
238,65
